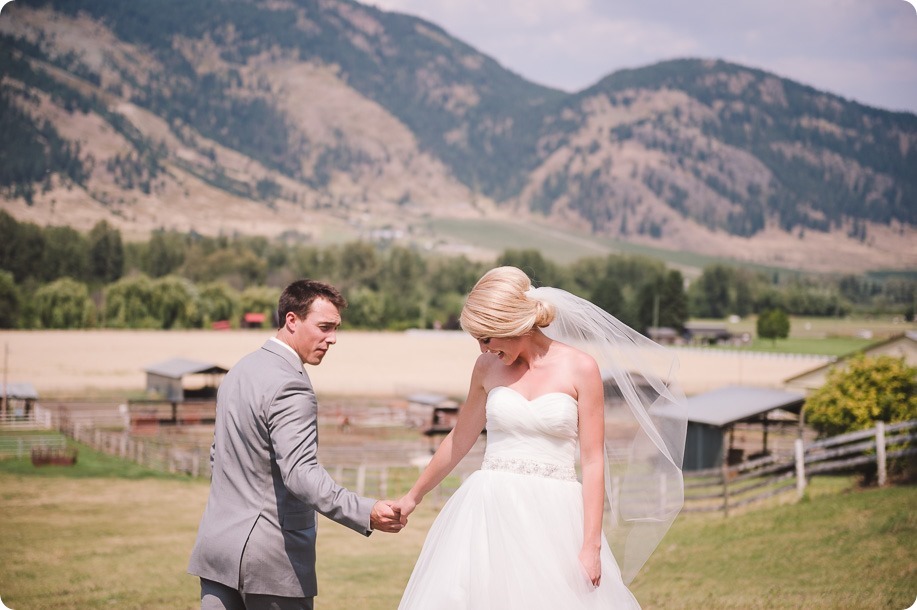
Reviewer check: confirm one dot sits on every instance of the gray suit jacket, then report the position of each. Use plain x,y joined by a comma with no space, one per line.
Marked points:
258,530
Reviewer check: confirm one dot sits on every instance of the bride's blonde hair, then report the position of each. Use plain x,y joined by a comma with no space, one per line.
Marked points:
498,306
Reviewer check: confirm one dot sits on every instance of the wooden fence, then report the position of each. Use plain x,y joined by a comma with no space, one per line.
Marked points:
728,488
388,474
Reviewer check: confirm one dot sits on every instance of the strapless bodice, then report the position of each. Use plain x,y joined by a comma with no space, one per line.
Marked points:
523,433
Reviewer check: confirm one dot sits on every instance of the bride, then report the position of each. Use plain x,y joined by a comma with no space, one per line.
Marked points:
523,532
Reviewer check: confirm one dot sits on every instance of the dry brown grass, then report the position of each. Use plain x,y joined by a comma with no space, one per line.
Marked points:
383,364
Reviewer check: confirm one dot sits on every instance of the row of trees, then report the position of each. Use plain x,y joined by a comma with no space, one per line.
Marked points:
189,280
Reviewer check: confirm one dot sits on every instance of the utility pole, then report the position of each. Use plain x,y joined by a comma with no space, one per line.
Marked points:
5,405
656,310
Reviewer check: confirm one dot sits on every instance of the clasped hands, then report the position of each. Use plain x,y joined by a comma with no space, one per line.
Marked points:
391,517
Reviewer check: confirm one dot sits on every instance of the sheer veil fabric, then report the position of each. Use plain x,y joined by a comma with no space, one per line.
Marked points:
646,423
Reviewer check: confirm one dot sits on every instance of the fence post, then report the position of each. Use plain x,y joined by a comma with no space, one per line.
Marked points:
800,468
383,482
725,474
881,465
361,479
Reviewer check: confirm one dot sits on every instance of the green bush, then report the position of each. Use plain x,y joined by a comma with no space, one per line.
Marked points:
869,389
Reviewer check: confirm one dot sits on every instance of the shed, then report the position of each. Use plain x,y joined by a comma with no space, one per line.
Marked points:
18,398
705,333
167,379
903,345
714,414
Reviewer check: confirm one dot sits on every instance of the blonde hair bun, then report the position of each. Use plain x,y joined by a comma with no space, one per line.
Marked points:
500,305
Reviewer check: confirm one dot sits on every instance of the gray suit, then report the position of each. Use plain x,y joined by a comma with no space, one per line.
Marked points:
257,534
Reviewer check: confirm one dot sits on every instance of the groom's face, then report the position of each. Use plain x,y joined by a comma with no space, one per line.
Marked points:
314,335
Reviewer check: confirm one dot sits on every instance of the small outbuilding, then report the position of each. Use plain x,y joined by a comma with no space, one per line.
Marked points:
706,333
18,399
713,416
167,379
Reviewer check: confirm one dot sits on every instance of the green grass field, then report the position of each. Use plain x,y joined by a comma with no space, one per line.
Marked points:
104,534
565,247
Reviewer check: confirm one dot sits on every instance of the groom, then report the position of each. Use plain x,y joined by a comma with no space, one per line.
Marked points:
256,543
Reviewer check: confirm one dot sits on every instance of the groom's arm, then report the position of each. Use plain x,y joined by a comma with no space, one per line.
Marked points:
293,426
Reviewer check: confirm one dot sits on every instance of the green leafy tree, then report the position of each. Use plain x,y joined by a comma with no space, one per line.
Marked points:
773,324
218,301
128,303
365,309
260,299
64,303
65,254
358,264
402,284
867,390
106,253
165,253
175,303
710,293
9,301
541,271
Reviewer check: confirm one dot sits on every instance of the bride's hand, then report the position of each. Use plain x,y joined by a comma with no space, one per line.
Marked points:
406,505
592,564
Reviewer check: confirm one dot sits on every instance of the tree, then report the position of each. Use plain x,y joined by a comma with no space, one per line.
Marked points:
867,390
218,301
128,303
165,253
175,303
64,303
260,299
106,253
710,296
541,271
774,324
9,301
365,309
65,254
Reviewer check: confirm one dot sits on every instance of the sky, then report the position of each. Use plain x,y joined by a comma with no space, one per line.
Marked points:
864,50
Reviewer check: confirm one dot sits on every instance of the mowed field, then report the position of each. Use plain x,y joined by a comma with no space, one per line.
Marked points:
381,364
98,536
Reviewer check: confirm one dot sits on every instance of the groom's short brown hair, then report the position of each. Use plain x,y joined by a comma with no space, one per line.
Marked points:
299,296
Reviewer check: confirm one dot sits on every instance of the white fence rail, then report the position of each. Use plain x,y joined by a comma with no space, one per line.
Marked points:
21,446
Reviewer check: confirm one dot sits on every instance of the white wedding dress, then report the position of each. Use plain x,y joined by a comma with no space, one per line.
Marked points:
510,537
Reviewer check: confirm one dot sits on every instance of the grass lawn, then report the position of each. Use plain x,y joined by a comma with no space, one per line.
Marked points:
88,537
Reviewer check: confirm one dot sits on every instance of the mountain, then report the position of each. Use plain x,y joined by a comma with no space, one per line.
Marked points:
329,118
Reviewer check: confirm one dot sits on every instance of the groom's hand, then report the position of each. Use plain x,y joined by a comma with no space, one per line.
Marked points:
386,518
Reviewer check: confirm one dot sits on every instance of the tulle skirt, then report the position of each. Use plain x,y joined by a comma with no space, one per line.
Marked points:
507,541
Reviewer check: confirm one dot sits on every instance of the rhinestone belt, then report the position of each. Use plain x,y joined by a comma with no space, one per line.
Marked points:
529,467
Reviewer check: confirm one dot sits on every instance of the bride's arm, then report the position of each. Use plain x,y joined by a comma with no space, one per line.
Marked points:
591,400
455,446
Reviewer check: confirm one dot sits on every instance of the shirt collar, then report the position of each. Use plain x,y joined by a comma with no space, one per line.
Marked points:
290,349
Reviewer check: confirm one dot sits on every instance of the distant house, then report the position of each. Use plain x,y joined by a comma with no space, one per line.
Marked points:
663,335
167,379
713,417
903,345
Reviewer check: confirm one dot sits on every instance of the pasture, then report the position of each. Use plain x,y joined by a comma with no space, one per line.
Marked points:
106,534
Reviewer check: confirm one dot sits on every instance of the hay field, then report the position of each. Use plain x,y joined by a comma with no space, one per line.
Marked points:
383,364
